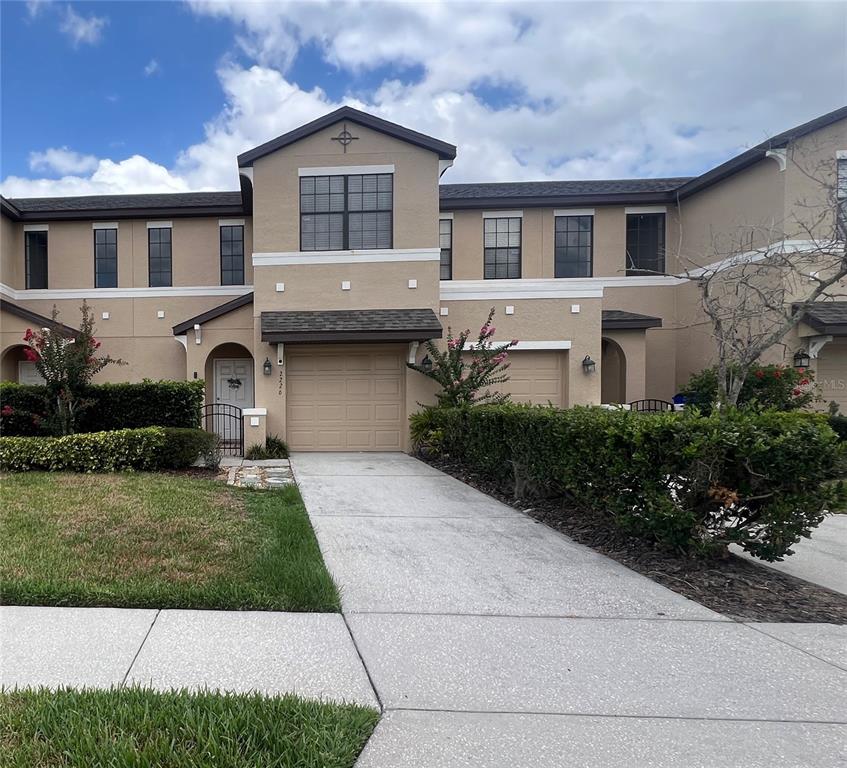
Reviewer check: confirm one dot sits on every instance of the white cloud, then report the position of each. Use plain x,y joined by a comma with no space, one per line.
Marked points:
81,29
526,91
152,68
61,160
35,7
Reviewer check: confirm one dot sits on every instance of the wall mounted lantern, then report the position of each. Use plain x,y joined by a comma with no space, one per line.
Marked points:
267,367
801,359
588,365
426,364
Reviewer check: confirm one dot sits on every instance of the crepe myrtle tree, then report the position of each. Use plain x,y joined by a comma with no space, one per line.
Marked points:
760,281
466,373
67,363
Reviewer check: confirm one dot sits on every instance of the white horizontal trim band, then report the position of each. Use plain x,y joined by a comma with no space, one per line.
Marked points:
254,411
124,293
36,227
502,214
346,257
230,222
104,225
574,212
547,288
647,209
841,154
532,346
159,225
344,170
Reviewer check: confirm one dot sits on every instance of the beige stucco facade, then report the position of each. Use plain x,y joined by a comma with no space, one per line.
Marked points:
177,332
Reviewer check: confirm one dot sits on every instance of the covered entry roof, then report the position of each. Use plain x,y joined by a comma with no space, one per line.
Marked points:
828,317
350,325
619,320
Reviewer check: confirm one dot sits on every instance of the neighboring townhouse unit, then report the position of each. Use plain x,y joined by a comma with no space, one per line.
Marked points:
306,292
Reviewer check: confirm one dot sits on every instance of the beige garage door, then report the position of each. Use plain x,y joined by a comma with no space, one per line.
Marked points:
831,374
347,398
536,377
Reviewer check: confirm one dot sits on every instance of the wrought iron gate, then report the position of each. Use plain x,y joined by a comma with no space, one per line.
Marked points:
224,420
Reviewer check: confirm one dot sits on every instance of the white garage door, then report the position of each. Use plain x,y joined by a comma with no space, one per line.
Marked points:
347,398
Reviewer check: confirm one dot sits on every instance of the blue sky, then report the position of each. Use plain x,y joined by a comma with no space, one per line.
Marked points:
161,96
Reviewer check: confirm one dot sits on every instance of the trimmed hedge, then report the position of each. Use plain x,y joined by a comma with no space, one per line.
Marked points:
688,481
112,406
144,449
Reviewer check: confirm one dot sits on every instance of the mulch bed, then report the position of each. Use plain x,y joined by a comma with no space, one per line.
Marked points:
733,586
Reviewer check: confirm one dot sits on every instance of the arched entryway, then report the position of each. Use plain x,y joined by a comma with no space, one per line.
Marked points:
612,373
229,376
14,366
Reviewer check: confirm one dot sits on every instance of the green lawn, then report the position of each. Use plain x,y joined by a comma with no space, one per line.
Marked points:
157,541
135,728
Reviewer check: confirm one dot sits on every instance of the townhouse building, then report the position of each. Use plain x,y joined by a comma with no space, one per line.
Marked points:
301,296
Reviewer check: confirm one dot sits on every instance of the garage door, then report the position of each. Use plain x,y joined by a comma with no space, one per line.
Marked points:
535,377
345,398
831,374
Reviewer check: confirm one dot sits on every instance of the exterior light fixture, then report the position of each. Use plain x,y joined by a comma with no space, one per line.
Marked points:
801,359
588,365
426,364
267,367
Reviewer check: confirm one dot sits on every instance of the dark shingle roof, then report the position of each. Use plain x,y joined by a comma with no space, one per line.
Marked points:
211,314
618,319
547,193
99,203
828,317
38,321
350,325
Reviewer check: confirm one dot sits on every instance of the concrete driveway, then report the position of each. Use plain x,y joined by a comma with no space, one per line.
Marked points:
492,640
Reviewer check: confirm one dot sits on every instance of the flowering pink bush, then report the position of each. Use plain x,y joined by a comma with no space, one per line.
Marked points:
464,373
67,364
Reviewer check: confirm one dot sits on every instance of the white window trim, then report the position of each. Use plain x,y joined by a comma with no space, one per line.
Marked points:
841,154
377,255
344,170
105,225
502,214
574,212
230,222
647,209
160,225
445,216
36,227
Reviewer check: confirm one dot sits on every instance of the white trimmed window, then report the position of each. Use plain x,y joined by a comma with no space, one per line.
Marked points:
502,241
841,197
445,237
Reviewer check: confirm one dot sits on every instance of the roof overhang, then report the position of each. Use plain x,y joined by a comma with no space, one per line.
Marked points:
829,318
444,150
211,314
39,321
619,320
555,201
350,326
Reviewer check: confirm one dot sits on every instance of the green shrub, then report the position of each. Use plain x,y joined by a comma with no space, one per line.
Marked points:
92,452
108,406
691,482
767,387
274,448
182,447
838,422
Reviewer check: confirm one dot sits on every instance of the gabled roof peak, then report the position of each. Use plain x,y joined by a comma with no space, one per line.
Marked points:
444,150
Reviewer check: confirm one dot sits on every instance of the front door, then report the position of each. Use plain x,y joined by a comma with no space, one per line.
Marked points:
233,387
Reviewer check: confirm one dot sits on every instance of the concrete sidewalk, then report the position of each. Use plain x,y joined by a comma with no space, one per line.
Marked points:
273,653
492,640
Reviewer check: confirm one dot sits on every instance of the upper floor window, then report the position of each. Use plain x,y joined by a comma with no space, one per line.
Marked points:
645,243
502,246
339,213
573,246
105,258
36,259
232,254
445,238
841,197
159,256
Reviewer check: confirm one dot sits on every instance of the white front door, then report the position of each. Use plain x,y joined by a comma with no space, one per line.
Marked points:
234,382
